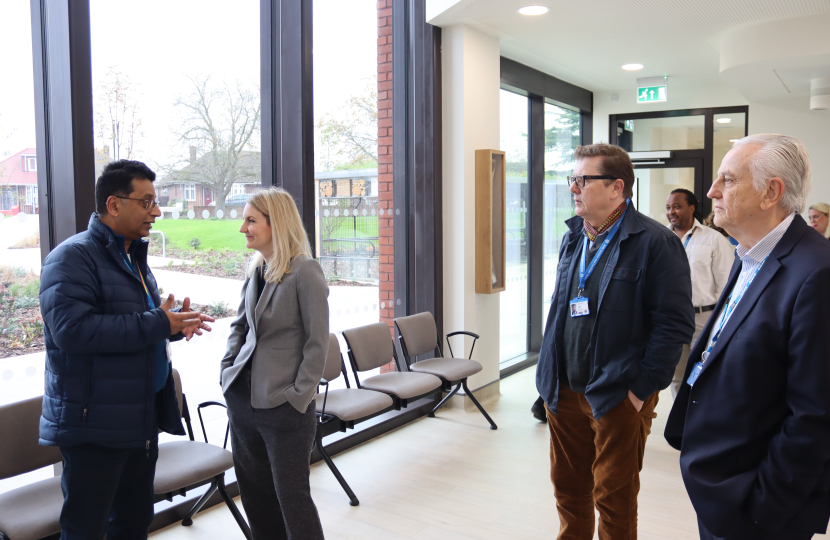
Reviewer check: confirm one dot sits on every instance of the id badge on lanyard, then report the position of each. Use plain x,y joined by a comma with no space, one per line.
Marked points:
579,304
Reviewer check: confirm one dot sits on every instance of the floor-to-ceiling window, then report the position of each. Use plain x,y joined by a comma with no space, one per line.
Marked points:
562,136
514,300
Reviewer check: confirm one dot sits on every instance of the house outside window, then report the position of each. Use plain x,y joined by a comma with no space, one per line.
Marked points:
190,192
31,164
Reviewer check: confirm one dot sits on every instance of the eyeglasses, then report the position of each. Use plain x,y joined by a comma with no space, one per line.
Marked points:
581,180
148,203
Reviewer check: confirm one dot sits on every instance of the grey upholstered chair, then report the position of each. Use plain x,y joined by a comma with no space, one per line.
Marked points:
371,347
418,335
32,511
186,465
341,409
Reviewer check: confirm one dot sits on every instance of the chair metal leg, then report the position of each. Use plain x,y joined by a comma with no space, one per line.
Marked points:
188,519
441,404
352,497
477,404
237,515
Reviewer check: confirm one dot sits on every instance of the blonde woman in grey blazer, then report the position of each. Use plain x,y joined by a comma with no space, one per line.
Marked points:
275,358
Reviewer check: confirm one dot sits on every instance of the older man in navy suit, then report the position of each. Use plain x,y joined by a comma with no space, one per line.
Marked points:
752,420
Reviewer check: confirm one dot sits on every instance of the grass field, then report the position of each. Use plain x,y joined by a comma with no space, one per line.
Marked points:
223,234
214,235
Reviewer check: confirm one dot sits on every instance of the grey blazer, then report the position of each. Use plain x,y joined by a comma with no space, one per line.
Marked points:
285,333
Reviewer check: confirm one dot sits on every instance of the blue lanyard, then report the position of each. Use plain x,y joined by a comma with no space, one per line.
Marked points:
730,307
585,274
686,243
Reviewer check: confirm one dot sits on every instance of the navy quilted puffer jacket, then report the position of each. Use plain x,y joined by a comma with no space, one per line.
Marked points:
100,346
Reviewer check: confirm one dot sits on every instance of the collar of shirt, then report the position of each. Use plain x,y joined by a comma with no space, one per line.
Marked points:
762,249
695,225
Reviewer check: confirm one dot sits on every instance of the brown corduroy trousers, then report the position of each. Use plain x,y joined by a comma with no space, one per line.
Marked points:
597,463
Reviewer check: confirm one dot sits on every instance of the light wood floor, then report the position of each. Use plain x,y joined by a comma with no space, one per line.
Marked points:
452,478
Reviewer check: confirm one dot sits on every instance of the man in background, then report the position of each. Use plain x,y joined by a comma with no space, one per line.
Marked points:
710,260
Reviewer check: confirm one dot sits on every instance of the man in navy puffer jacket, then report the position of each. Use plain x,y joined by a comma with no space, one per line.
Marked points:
108,387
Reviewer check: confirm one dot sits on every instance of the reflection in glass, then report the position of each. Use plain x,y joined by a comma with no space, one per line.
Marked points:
666,133
562,136
514,142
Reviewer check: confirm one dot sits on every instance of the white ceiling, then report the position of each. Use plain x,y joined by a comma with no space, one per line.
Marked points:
585,42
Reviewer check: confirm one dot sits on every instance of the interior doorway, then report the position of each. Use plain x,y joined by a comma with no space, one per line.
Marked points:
656,180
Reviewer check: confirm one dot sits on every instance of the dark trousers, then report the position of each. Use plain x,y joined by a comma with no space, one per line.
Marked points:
597,463
750,531
271,456
107,491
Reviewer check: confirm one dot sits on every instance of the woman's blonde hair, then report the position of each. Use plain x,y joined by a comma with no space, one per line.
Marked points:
824,208
288,236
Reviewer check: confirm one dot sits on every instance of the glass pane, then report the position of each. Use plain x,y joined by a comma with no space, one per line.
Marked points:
728,128
653,187
670,133
562,135
514,142
21,326
354,211
187,103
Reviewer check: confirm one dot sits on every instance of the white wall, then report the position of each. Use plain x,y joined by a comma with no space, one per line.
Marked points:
470,63
790,116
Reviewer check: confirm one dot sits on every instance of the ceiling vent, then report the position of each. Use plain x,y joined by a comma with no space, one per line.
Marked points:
820,94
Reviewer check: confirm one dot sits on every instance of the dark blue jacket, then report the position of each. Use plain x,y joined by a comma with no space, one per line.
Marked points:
100,346
754,431
644,314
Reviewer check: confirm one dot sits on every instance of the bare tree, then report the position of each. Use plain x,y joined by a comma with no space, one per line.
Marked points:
117,113
222,122
349,136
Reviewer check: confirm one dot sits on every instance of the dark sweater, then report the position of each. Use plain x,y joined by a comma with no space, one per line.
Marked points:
576,369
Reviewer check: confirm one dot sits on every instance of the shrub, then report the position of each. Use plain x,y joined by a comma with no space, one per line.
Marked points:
217,309
195,243
26,302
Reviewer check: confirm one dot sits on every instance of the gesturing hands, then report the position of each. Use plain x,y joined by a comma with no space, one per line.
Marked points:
185,321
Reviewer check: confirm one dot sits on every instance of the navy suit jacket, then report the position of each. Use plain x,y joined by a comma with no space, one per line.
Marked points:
754,431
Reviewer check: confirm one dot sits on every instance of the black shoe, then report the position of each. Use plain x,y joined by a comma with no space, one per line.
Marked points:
538,410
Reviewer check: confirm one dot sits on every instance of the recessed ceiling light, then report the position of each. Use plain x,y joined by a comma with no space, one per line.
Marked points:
724,120
533,10
734,140
632,67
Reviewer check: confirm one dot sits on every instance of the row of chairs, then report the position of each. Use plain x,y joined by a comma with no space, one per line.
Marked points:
31,512
372,346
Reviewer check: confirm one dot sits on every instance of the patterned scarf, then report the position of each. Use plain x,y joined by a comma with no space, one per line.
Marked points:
592,233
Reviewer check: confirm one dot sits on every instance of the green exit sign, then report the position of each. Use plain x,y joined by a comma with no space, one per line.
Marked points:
651,94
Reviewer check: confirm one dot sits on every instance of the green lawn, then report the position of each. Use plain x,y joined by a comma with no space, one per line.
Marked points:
223,234
215,235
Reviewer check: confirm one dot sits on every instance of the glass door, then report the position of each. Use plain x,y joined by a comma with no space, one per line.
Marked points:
655,181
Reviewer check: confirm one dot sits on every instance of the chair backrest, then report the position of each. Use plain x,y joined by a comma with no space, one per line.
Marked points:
418,332
177,382
334,361
371,346
19,449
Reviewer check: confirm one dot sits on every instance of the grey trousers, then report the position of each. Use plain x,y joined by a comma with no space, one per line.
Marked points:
271,456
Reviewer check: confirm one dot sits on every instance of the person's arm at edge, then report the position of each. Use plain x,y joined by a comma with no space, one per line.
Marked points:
799,453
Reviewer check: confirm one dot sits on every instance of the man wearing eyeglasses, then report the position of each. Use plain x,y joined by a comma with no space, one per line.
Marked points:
620,314
108,384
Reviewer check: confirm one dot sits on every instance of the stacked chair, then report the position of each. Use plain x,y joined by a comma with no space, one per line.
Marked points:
418,335
341,409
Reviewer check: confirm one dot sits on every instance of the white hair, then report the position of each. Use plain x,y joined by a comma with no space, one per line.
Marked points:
784,157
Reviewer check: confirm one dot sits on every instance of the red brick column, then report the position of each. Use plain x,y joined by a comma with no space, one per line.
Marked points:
385,202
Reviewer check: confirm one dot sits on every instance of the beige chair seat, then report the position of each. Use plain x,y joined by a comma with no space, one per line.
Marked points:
32,511
403,385
182,463
351,403
451,369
